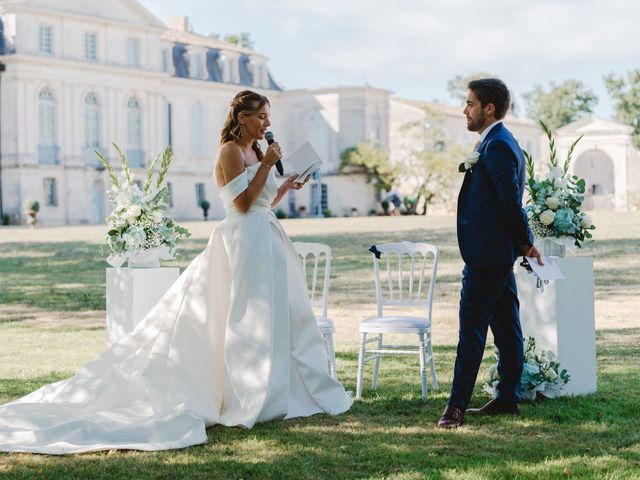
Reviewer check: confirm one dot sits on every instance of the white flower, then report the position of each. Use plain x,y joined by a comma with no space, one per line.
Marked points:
123,200
471,160
133,212
553,202
530,357
586,221
555,173
529,214
547,217
157,216
551,375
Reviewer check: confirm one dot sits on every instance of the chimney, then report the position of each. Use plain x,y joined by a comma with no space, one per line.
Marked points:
180,23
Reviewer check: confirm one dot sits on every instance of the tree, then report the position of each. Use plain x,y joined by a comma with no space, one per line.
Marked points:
243,40
560,104
434,167
626,95
374,161
457,86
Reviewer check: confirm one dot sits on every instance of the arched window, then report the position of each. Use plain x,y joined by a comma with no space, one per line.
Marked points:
134,133
91,121
47,144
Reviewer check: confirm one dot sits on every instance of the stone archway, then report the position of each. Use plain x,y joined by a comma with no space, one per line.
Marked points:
596,167
97,204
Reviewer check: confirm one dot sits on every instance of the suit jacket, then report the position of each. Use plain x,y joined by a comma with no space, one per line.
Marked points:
492,225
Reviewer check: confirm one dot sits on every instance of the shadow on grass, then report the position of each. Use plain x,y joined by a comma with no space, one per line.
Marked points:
392,434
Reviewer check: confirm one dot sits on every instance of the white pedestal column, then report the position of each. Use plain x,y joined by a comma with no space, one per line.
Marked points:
562,319
131,293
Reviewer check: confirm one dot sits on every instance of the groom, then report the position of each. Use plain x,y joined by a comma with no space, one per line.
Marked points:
492,232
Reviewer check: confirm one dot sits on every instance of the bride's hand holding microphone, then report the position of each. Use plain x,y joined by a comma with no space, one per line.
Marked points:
272,155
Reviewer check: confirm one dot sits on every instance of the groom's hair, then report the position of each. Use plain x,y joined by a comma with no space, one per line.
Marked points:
492,90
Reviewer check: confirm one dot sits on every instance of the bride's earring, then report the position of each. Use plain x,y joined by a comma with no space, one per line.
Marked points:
241,130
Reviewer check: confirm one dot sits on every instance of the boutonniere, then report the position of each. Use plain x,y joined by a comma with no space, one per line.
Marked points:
469,162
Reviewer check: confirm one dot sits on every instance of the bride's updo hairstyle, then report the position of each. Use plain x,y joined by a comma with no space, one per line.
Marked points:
246,102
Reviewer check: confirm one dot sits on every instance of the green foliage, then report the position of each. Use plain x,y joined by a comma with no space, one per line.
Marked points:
167,156
560,104
374,161
33,205
457,86
434,168
6,219
280,214
147,183
125,164
205,205
327,213
110,171
243,40
626,95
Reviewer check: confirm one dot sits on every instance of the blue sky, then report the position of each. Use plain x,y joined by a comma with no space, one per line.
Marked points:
413,47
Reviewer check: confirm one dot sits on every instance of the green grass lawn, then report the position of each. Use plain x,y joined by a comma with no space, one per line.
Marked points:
51,322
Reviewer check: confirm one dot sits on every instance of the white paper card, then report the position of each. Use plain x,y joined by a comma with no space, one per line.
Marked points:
304,160
549,271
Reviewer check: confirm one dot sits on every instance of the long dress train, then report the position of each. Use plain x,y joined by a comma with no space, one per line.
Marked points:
232,342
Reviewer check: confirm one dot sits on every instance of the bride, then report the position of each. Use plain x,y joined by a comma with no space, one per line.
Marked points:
233,342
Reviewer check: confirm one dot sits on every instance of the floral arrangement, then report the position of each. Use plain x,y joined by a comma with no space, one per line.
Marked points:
540,374
554,204
139,228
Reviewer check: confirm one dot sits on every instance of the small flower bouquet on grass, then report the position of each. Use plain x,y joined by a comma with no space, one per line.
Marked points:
140,230
541,374
554,206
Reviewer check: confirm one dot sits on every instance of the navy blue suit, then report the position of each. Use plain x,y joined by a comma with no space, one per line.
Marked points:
492,229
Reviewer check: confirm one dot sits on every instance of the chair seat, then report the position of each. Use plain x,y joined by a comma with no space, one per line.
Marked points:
395,324
325,325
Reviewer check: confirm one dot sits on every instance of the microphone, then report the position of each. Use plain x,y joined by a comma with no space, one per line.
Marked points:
270,138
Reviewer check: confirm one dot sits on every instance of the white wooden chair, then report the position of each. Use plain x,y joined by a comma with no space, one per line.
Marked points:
404,287
319,291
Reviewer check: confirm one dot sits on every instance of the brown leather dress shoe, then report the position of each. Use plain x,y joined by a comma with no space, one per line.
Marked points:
496,407
451,418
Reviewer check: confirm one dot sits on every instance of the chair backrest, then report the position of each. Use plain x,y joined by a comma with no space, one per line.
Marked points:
406,266
320,256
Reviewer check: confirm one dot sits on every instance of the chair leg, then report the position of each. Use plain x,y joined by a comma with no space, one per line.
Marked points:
331,354
432,362
423,365
376,365
363,338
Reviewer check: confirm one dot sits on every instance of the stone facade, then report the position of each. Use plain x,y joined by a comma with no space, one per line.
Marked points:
606,159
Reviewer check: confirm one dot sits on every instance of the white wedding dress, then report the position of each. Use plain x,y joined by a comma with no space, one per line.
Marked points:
234,342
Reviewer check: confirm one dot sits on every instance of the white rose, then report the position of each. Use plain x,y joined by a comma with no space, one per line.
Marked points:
134,211
586,221
551,375
472,159
157,217
547,217
553,203
529,214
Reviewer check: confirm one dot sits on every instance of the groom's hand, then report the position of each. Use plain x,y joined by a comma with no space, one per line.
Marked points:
532,251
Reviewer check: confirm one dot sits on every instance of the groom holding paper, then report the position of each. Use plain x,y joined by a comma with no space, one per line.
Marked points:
492,232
